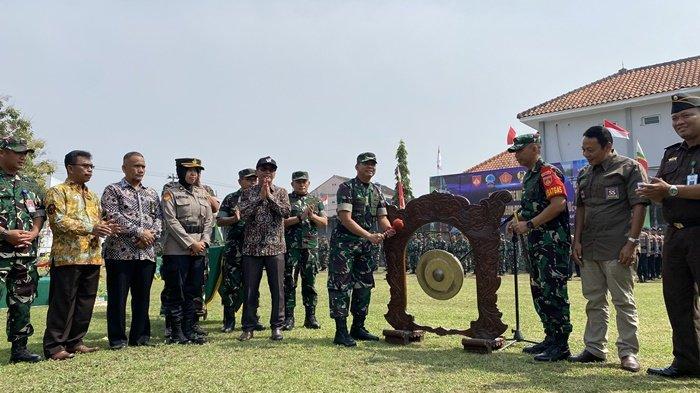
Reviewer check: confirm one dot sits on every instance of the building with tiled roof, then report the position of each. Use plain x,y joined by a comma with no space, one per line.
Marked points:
637,99
499,161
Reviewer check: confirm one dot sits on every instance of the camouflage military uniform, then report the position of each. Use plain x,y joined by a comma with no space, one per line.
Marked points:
20,203
323,253
301,257
351,263
548,251
231,288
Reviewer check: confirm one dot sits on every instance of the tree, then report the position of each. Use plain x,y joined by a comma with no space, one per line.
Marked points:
12,123
402,160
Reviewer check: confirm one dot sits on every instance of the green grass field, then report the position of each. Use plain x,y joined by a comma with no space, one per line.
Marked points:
306,360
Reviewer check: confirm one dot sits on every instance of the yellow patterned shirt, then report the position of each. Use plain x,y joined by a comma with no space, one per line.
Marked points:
73,210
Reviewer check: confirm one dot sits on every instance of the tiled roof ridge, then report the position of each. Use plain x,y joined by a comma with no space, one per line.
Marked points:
622,71
487,161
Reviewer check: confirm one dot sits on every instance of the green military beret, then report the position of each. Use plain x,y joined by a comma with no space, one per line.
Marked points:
16,145
681,102
523,140
248,172
300,175
365,157
189,163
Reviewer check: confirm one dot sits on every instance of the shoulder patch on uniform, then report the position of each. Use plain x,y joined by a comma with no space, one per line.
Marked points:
167,196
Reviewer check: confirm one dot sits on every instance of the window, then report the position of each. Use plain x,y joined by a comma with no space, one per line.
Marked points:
647,120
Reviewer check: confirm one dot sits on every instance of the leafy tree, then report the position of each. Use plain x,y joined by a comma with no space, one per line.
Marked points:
402,160
12,123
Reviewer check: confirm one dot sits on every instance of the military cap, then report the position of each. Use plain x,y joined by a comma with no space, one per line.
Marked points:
266,161
300,175
681,102
16,145
248,172
519,142
189,163
365,157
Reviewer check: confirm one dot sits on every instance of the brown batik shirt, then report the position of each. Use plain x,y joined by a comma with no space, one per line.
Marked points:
264,218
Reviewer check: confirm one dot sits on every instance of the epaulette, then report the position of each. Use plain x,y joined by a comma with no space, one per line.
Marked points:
673,145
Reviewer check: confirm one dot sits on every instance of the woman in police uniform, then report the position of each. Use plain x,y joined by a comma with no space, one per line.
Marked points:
187,223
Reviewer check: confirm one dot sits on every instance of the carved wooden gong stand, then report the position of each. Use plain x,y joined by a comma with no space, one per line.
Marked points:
479,223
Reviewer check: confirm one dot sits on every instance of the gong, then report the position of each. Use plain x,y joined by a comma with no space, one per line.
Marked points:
440,274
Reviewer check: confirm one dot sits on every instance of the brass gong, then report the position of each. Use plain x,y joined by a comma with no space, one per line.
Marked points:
440,274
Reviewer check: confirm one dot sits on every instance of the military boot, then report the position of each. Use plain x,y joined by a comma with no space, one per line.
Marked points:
259,327
197,328
358,331
168,327
539,347
188,328
229,320
288,321
176,336
559,350
310,321
341,333
20,353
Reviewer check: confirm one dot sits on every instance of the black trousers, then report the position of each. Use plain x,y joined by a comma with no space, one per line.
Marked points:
252,274
681,280
124,276
183,283
72,293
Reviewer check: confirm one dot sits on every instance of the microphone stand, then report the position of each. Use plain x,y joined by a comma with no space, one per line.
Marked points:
517,333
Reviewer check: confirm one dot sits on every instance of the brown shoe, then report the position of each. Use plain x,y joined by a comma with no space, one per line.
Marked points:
62,355
630,363
82,348
245,336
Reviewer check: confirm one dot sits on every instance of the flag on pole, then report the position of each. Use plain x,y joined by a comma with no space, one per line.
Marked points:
439,160
616,130
399,188
511,135
641,158
324,199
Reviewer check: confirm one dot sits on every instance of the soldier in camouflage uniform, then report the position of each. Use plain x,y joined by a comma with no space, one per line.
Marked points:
231,288
301,234
361,205
21,217
323,253
544,219
412,250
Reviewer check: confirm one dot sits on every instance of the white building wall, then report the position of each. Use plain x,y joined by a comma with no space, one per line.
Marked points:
562,137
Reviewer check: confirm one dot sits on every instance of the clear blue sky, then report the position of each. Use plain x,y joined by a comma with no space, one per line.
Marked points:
312,83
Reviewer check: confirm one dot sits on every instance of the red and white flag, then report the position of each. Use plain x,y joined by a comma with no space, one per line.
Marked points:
616,130
641,158
511,135
324,199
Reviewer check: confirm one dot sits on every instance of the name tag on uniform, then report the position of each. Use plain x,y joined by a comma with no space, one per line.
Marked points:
611,193
31,207
692,179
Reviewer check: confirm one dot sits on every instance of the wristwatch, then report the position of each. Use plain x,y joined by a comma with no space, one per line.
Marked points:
673,191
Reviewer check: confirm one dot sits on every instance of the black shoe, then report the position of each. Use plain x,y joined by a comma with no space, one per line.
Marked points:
229,320
358,331
586,357
246,335
276,334
189,328
554,353
310,321
288,323
671,372
20,354
539,347
341,334
117,346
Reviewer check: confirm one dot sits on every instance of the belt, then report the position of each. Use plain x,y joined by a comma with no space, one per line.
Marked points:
194,228
681,225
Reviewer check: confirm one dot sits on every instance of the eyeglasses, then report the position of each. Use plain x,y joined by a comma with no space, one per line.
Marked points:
85,166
